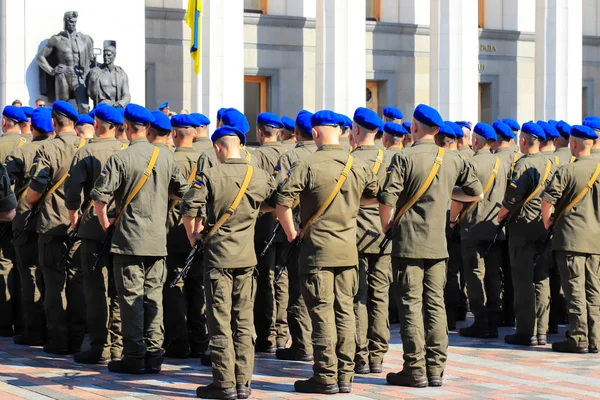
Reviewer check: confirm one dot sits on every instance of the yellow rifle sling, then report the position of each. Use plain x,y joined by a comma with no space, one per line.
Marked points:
486,189
541,183
22,141
581,194
62,179
378,161
248,156
190,179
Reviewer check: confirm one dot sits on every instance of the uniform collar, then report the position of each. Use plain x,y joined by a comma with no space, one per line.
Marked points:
504,150
271,144
65,134
162,145
202,139
104,139
138,140
11,133
367,147
235,161
583,158
328,147
305,143
425,142
482,151
185,150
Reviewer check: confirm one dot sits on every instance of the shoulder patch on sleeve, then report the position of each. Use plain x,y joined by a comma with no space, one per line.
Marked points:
513,184
103,172
198,184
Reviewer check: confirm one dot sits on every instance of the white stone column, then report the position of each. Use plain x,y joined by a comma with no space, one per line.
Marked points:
340,59
558,59
222,57
454,52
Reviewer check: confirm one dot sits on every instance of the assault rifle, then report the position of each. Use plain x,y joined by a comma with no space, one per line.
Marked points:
189,261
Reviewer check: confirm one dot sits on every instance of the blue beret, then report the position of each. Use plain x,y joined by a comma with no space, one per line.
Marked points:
161,121
553,122
92,113
138,114
41,120
235,118
564,129
514,125
392,112
220,113
326,118
347,121
456,128
269,119
85,119
163,105
367,119
227,130
303,122
583,132
394,129
201,119
65,108
463,124
184,121
428,115
503,129
109,114
27,110
485,130
446,130
288,123
549,130
533,129
592,122
15,113
121,111
406,126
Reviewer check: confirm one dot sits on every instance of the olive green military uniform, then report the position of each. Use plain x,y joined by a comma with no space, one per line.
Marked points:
265,157
8,202
526,232
478,228
465,152
328,254
375,273
185,321
139,244
64,298
9,277
596,154
229,260
563,156
18,165
202,144
418,258
103,314
576,247
345,143
288,144
297,314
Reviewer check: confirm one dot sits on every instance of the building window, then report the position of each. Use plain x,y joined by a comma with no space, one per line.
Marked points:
485,103
481,9
256,89
255,6
373,10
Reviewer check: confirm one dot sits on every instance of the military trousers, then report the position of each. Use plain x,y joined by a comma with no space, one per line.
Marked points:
580,275
482,275
371,309
185,319
419,285
229,310
9,286
281,301
139,281
299,322
329,295
558,311
64,296
265,307
103,311
454,293
508,293
531,285
32,285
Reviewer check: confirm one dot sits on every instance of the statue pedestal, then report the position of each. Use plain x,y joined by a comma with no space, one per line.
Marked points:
26,26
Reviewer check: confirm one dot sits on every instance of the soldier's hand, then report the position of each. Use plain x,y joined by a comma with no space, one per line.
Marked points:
59,69
292,235
74,220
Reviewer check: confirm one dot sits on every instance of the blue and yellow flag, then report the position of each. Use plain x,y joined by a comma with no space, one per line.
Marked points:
193,18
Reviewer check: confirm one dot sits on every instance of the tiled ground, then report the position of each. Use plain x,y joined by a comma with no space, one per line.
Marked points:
477,369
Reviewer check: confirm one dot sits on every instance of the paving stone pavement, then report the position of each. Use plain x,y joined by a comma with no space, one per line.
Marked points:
477,369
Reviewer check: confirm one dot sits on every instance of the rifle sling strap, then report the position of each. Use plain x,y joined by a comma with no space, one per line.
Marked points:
378,161
486,189
139,185
236,202
331,196
581,194
61,180
434,170
189,180
541,183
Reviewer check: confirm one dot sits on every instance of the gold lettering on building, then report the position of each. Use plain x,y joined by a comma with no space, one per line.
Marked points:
488,48
481,67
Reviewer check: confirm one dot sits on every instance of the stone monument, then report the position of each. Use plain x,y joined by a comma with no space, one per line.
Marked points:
65,61
108,83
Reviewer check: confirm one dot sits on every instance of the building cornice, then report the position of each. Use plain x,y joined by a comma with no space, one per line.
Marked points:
173,14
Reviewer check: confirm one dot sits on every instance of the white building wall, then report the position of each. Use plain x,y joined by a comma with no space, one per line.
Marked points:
591,18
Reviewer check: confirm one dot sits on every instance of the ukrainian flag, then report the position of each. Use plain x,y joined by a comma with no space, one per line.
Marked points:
193,18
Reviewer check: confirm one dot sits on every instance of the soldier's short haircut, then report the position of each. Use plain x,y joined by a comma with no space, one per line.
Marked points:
529,139
9,122
158,132
267,130
443,140
482,139
62,120
393,139
136,126
185,131
228,141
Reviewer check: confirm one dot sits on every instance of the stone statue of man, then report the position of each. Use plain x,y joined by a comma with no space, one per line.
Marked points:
108,83
67,58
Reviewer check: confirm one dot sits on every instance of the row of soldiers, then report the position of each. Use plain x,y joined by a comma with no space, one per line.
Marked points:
365,202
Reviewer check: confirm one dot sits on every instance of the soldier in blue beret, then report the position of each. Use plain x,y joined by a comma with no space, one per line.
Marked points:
103,315
562,154
65,331
85,126
26,125
265,157
392,114
220,115
164,108
446,137
288,139
570,209
328,259
407,141
547,146
300,327
521,205
185,322
420,295
393,136
594,124
371,301
346,126
463,140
